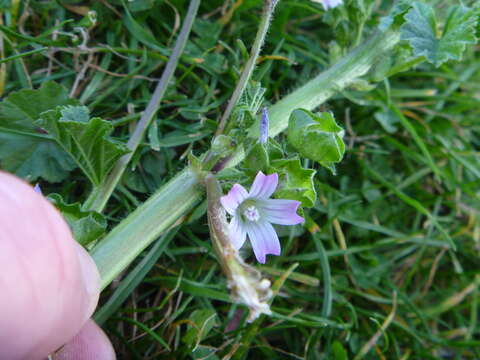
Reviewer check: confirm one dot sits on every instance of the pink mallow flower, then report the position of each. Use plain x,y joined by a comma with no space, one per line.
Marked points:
253,214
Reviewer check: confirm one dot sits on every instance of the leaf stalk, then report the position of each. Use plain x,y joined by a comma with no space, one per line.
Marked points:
268,9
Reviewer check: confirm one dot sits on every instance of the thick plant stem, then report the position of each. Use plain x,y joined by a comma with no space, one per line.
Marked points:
129,238
183,192
342,74
100,195
268,8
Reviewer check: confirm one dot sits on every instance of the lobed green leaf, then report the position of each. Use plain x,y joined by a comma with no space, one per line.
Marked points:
86,226
317,137
295,182
422,31
84,139
25,149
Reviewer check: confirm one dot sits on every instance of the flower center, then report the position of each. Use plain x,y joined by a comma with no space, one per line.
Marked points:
251,213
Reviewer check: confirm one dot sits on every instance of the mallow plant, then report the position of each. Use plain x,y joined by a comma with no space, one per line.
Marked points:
244,153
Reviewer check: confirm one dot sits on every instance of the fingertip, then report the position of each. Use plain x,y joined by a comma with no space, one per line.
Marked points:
90,277
90,343
50,285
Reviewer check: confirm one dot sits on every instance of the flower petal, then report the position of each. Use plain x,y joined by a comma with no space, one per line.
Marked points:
279,211
263,186
234,197
237,232
264,240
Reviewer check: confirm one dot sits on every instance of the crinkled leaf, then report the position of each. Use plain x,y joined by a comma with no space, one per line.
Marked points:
295,182
32,158
316,137
86,226
85,139
257,159
21,108
247,108
396,15
422,31
260,156
274,150
24,149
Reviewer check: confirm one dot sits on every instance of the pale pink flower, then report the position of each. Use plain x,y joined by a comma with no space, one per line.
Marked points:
253,213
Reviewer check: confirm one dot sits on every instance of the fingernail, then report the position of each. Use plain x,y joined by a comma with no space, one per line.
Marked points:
90,275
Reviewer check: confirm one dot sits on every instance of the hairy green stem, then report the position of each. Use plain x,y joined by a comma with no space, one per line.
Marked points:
129,238
342,74
217,222
100,195
183,192
268,8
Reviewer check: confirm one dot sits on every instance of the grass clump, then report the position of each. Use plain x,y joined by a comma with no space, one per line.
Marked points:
386,266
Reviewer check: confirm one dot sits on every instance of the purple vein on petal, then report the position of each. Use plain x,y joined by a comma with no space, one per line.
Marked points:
237,232
258,245
271,237
264,185
264,240
282,212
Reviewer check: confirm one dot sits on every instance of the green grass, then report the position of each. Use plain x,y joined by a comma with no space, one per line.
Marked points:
387,266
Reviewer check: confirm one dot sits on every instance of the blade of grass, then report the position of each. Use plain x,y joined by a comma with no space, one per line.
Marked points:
418,140
100,195
410,201
327,279
18,56
373,340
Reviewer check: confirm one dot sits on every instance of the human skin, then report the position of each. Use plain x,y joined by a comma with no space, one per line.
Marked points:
49,285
